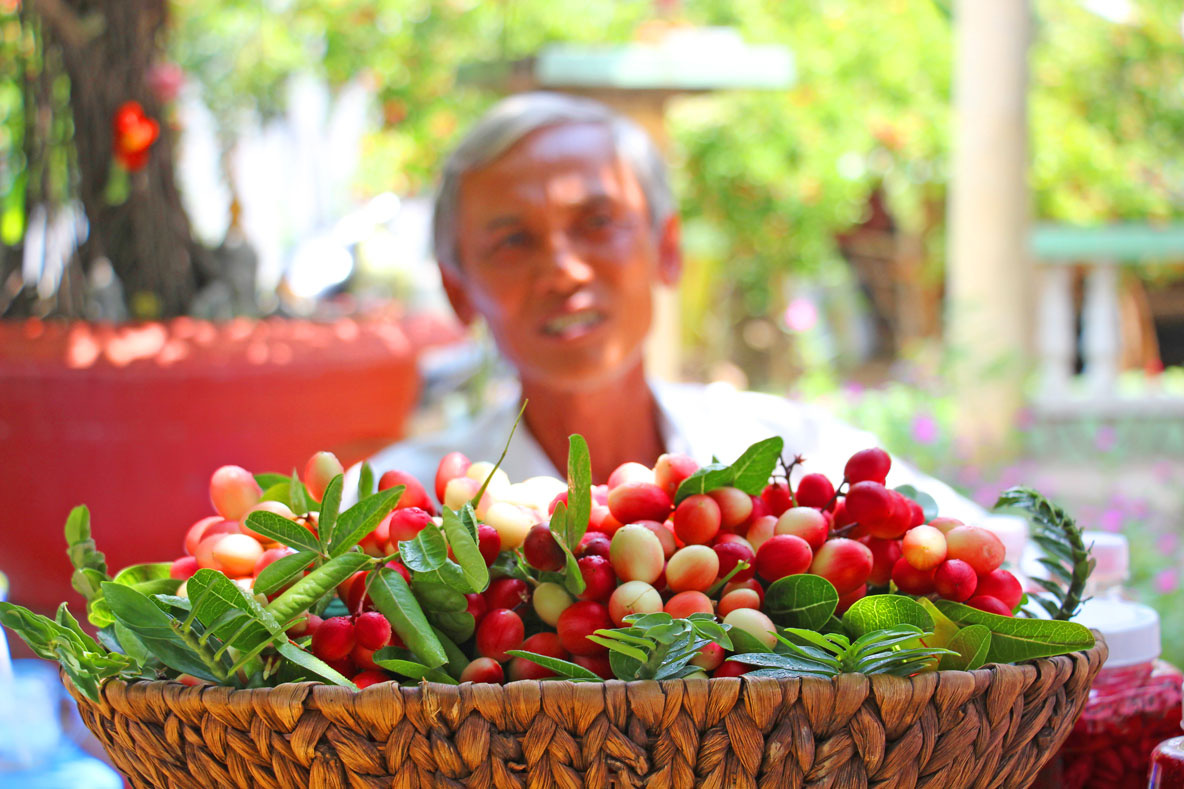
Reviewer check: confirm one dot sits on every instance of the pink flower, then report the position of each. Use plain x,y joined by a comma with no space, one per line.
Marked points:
924,429
801,315
1106,438
1111,520
1167,580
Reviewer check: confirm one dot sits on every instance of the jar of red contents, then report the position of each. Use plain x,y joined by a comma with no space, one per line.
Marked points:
1167,765
1134,703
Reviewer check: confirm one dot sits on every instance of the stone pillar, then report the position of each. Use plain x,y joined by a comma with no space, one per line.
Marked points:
989,301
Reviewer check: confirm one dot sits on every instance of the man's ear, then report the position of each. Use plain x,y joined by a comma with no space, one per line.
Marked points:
458,296
670,251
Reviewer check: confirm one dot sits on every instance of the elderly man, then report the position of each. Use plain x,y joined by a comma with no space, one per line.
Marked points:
554,222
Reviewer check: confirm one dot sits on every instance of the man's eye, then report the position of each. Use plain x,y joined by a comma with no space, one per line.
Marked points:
512,240
598,221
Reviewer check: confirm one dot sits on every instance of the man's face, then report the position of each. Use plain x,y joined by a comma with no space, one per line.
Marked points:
556,251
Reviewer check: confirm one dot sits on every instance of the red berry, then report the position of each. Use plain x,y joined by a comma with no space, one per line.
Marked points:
489,542
542,551
372,630
597,664
594,543
731,554
815,490
452,465
334,639
777,498
730,668
414,494
697,519
181,569
897,522
868,464
868,502
483,669
500,630
370,677
580,620
477,606
506,593
955,580
992,605
1003,586
599,579
363,658
782,555
884,556
910,580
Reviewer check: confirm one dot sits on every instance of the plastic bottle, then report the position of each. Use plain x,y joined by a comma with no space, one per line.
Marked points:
1134,703
1167,765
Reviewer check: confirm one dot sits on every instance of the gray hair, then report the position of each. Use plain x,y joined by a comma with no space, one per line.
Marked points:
512,119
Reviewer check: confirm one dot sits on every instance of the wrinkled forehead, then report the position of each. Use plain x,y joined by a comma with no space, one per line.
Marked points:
551,168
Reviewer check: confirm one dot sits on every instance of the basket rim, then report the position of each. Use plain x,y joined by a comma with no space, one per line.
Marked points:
1100,649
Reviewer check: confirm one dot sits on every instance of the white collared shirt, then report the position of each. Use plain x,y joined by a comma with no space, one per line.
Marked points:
697,420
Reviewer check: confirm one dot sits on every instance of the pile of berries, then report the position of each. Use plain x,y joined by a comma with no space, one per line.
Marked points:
713,552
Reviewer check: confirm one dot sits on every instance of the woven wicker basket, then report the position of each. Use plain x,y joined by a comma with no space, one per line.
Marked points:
993,727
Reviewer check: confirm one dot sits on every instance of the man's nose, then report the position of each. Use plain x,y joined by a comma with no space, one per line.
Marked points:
564,268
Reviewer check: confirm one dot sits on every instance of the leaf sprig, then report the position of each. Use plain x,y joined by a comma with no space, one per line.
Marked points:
658,646
1066,556
807,653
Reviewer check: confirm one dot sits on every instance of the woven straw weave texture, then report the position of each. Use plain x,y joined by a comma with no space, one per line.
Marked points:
989,728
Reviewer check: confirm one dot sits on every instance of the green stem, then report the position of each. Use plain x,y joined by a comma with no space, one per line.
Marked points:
740,567
211,661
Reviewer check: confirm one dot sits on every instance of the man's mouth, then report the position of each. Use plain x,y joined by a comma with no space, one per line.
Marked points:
572,323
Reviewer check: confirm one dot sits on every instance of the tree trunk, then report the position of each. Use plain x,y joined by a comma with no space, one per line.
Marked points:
108,47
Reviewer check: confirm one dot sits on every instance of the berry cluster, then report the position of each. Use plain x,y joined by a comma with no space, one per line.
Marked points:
647,549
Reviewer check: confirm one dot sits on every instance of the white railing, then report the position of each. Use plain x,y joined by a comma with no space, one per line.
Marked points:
1099,391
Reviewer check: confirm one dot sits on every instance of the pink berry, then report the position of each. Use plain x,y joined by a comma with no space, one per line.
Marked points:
782,555
636,554
638,501
869,502
452,465
237,554
868,464
197,531
710,656
414,493
693,567
633,597
500,630
697,519
683,604
845,563
319,471
976,546
760,530
738,598
924,547
629,472
269,556
182,569
233,491
755,623
735,506
594,543
671,470
598,576
777,498
405,524
334,639
805,522
884,556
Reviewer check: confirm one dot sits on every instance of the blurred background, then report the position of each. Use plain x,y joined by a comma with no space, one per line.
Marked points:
961,229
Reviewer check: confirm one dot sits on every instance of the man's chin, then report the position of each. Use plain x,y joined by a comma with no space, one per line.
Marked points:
575,376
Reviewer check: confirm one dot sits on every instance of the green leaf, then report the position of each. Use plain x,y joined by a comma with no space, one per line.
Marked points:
212,594
579,490
408,668
944,628
330,505
310,662
282,530
573,579
972,643
156,630
458,625
365,480
561,667
883,611
78,525
283,571
301,595
704,479
150,578
804,600
131,644
457,660
436,596
927,502
1014,639
615,645
67,620
623,666
298,498
751,471
743,641
267,481
467,554
280,491
787,665
361,519
392,596
425,552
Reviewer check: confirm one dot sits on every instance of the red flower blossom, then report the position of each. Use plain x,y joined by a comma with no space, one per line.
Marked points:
134,134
